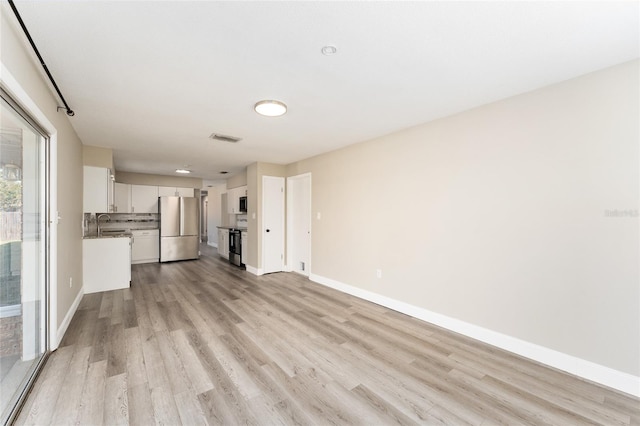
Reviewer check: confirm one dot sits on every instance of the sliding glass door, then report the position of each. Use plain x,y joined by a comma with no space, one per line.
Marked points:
23,253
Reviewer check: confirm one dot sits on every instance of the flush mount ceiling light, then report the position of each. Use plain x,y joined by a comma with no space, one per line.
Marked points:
183,171
329,50
270,108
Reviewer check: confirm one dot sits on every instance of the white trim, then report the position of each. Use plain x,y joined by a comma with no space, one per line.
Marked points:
615,379
67,318
53,241
289,225
254,271
19,95
215,245
10,311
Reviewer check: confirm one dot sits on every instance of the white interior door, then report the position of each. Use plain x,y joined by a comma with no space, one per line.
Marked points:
299,223
272,224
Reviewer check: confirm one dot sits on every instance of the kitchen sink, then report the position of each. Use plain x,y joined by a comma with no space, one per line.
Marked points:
114,233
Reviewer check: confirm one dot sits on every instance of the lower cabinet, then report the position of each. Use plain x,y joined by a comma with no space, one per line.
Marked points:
223,243
106,264
146,246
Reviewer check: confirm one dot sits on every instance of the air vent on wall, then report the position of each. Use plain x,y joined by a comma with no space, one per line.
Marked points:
224,138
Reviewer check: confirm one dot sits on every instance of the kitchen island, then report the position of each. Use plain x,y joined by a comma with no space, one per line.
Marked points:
106,263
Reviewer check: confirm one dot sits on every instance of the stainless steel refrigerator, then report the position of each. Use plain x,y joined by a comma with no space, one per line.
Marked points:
178,228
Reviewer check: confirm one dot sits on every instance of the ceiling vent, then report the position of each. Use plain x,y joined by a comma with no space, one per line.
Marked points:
224,138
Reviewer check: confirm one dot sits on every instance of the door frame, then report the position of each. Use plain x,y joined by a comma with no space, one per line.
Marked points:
11,86
49,200
290,211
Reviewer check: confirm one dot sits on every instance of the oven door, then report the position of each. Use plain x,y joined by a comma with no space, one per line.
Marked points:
234,241
234,247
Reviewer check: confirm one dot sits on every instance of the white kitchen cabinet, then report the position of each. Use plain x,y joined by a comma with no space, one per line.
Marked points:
185,192
170,191
233,199
144,199
106,264
243,247
97,190
121,198
145,246
223,243
166,191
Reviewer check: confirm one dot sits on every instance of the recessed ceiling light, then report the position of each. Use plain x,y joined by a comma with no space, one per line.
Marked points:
270,108
183,171
329,50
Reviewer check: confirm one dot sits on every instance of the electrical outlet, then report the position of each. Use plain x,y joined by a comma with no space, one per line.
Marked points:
379,273
70,282
319,215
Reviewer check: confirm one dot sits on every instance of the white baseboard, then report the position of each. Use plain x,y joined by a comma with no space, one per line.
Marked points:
615,379
67,319
212,244
254,271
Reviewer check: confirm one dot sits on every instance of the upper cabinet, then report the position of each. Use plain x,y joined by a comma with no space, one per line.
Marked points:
144,199
122,198
185,192
135,198
97,190
169,191
233,199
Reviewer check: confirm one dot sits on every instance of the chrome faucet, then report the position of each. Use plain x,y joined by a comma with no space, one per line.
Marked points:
98,221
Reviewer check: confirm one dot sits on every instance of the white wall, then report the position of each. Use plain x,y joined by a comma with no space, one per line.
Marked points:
498,217
214,216
17,58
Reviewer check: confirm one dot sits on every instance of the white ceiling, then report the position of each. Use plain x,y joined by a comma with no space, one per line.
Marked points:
153,80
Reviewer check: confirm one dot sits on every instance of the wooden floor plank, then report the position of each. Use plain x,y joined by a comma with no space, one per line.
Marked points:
116,408
92,400
139,405
136,372
39,407
68,405
204,342
164,407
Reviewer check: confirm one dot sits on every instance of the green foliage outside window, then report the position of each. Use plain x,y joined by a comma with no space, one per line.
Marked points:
10,196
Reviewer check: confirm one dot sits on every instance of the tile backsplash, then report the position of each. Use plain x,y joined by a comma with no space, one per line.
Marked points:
125,221
241,221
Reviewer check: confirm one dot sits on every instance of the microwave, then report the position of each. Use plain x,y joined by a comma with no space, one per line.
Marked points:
243,204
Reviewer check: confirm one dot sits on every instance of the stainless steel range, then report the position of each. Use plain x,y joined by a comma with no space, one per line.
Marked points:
235,247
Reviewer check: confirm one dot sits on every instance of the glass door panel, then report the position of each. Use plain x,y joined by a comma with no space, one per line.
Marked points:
23,295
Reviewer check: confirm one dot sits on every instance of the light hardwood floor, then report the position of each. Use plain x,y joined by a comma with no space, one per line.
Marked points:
203,342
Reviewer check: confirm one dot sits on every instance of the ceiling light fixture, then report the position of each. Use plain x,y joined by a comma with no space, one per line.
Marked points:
183,171
270,108
329,50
